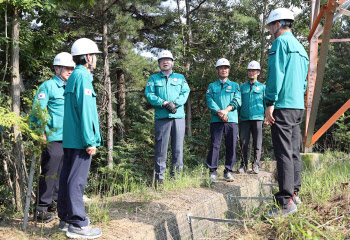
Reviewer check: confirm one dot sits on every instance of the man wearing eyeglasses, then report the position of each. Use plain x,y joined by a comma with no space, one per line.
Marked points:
168,92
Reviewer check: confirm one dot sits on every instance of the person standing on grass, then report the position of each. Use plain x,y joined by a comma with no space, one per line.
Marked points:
284,97
81,137
223,100
50,96
252,116
168,92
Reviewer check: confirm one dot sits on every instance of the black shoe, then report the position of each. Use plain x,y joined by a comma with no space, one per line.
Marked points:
52,208
45,216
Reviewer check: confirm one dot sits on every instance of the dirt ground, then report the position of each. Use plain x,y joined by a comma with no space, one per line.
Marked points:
130,218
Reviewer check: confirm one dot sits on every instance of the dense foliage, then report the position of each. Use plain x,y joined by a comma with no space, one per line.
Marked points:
209,30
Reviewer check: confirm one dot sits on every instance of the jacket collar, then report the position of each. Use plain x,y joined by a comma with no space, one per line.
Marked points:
218,82
81,67
255,83
58,81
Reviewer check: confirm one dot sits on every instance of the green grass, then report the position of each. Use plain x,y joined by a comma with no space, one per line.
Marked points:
321,216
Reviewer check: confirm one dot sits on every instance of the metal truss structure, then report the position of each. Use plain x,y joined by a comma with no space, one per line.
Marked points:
333,10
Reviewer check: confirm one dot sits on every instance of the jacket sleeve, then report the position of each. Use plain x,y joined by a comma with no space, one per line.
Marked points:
150,93
236,101
212,105
41,100
276,72
85,102
185,91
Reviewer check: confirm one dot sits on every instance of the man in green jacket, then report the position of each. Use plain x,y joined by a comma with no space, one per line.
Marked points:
252,116
284,97
81,137
168,92
50,96
223,100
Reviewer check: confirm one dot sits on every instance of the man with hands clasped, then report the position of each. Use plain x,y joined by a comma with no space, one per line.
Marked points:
168,92
223,100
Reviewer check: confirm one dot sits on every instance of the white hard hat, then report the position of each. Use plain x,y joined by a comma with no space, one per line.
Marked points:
279,14
253,65
84,46
222,62
165,54
64,59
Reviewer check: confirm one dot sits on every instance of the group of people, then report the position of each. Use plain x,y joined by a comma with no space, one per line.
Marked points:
279,103
73,130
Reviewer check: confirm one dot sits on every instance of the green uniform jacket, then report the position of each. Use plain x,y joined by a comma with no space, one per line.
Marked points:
50,96
286,75
175,89
219,99
253,106
81,127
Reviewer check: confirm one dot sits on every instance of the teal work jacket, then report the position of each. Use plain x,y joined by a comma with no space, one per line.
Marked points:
253,107
50,96
81,127
286,75
220,98
175,88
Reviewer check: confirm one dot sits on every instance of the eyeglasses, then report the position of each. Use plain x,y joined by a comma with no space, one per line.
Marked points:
165,59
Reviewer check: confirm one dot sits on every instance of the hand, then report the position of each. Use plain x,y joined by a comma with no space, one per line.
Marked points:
43,139
165,103
43,136
171,107
91,150
269,120
222,115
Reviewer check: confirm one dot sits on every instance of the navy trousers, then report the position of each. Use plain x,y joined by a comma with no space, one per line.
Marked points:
51,165
254,127
73,180
217,129
165,128
286,146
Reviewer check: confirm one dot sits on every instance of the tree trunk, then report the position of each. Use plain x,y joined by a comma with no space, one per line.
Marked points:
121,102
187,68
262,37
15,94
108,91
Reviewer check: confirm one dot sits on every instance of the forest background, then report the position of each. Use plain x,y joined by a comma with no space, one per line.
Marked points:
198,32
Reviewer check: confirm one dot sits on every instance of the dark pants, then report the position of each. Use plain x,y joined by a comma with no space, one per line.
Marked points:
73,180
216,130
254,127
286,145
51,165
164,129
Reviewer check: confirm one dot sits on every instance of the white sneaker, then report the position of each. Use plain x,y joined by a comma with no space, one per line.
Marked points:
212,178
83,232
229,177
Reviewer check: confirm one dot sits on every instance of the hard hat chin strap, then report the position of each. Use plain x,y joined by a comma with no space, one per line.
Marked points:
282,22
60,72
92,64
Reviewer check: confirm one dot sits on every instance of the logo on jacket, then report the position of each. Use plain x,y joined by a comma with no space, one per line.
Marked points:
258,88
229,87
41,96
